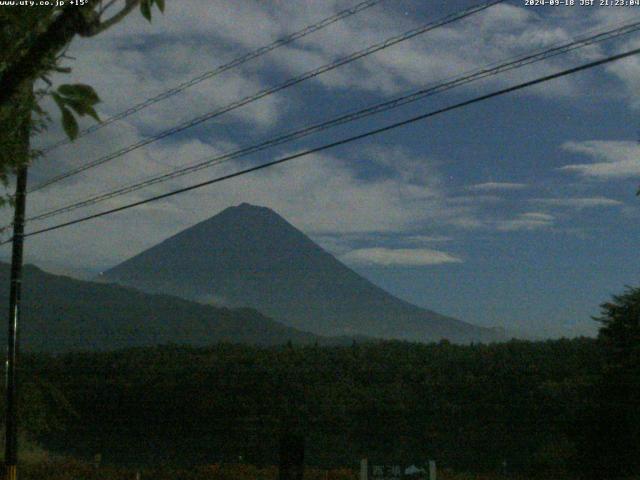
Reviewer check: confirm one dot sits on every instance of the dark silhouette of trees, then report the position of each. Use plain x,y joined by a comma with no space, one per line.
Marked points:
610,446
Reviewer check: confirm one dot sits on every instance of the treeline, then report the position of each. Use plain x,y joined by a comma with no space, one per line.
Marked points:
520,407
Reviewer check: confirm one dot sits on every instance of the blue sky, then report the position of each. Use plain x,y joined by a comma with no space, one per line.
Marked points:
519,211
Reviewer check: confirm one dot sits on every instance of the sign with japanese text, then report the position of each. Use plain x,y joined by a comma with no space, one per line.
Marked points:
386,472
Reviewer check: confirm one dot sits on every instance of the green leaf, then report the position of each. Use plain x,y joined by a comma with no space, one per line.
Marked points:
38,109
58,99
92,113
69,124
84,93
145,9
82,109
160,4
77,106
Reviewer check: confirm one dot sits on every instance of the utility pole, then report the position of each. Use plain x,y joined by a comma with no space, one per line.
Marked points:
22,152
11,420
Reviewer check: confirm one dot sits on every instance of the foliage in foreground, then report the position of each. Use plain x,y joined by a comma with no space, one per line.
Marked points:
75,470
468,407
70,469
556,408
34,43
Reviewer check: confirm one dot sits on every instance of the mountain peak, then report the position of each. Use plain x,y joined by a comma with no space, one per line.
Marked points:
249,206
247,210
249,255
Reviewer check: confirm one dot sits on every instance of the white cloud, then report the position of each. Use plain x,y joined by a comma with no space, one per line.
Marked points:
399,256
342,243
490,186
417,239
613,159
475,199
321,195
627,71
135,60
124,76
526,221
578,203
412,169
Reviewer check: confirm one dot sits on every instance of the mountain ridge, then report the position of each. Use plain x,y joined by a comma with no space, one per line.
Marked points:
61,314
250,256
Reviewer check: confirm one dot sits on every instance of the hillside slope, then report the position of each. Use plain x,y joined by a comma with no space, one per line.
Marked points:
250,256
60,313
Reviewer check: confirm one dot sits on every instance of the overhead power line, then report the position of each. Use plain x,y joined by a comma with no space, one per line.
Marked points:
491,70
344,141
454,17
221,69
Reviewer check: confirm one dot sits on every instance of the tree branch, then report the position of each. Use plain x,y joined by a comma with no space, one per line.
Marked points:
72,21
104,8
102,26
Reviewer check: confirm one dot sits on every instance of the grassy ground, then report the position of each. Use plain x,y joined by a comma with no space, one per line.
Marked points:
73,470
38,464
61,469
